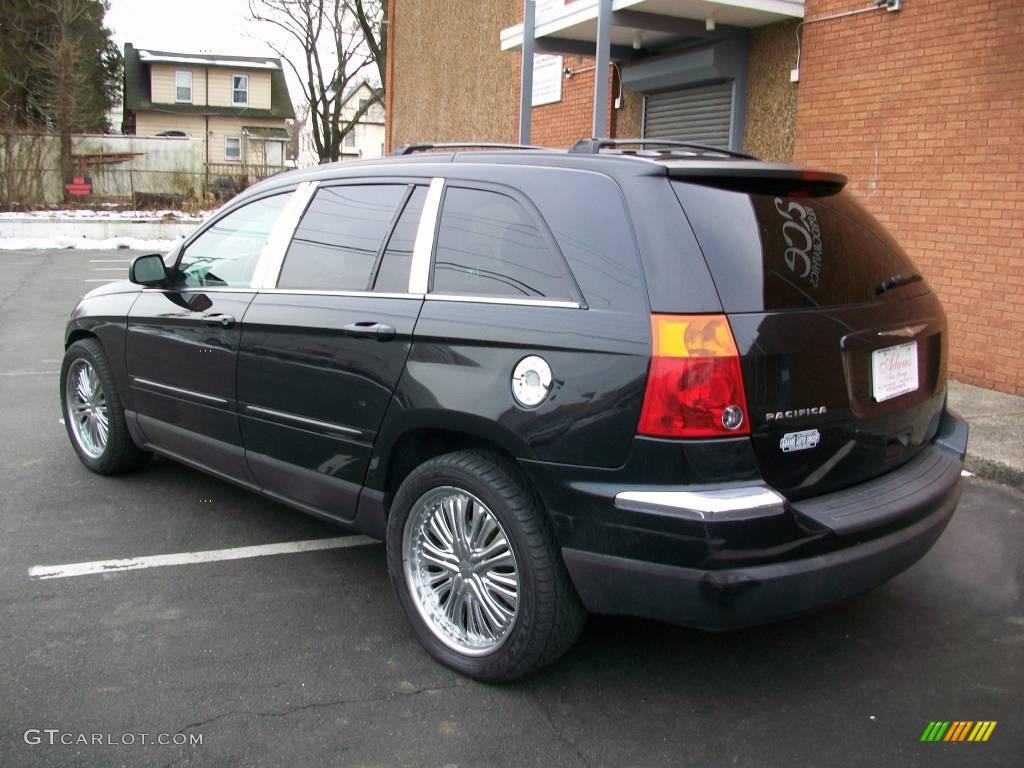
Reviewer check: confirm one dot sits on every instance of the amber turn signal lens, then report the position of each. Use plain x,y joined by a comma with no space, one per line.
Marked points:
695,383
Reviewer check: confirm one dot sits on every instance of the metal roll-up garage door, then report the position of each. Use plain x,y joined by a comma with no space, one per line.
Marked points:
701,115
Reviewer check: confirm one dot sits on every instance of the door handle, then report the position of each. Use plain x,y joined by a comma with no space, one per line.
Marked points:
370,329
224,321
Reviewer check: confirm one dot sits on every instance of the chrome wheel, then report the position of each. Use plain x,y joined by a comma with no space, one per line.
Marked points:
87,408
460,570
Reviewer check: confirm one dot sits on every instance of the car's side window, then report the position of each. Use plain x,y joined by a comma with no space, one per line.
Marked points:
488,245
226,254
393,273
336,243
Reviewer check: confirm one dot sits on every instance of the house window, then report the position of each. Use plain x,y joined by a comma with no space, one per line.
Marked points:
183,86
232,148
240,90
363,103
350,137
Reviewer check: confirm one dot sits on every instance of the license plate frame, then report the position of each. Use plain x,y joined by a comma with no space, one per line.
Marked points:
894,371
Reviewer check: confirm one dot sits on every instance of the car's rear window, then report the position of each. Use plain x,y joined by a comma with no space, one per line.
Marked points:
791,251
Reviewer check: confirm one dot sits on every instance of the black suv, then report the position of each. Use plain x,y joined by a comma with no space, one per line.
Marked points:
663,381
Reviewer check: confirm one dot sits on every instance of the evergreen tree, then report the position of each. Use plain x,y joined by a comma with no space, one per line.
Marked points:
60,70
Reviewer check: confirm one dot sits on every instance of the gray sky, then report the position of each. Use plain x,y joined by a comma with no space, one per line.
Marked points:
212,26
220,26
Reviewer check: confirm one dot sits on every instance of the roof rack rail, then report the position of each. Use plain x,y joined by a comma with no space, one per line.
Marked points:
593,146
408,149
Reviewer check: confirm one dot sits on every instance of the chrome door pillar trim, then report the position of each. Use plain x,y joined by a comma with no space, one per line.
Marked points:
272,256
419,272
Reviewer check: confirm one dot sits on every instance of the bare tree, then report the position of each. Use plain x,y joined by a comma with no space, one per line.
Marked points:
62,60
372,16
339,40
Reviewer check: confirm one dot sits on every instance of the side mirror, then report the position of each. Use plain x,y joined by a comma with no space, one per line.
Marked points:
148,270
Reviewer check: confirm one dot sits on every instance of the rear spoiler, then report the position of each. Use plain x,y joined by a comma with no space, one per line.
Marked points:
758,178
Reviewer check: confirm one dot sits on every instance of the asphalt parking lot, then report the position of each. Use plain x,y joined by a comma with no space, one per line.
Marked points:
304,659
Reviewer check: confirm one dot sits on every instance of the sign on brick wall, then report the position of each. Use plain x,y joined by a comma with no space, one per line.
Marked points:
547,79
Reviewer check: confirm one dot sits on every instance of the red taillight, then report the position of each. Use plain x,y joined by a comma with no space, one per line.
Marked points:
695,385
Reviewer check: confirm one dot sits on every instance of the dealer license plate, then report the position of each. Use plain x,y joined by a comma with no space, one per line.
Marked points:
894,371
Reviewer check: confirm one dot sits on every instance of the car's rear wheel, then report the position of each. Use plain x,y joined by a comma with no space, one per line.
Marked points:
475,566
93,413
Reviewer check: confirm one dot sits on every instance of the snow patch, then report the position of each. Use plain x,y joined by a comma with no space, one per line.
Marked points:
85,244
107,215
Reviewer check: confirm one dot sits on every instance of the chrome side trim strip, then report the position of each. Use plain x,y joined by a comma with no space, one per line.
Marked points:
179,391
272,257
302,420
199,289
419,271
355,294
503,300
722,504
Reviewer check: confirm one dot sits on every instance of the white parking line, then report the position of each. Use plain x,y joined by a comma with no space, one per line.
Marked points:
108,269
189,558
100,280
110,261
29,373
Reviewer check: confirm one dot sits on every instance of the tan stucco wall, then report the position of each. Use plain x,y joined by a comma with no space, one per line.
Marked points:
629,119
162,85
771,98
452,81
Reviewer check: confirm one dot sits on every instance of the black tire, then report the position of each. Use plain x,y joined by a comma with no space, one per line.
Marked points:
549,616
120,453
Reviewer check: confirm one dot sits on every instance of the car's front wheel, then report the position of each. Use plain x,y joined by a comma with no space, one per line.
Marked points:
474,563
93,413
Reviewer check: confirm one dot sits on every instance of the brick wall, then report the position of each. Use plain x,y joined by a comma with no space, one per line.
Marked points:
924,111
562,123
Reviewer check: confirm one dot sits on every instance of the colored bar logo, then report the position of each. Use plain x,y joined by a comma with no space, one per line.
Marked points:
958,730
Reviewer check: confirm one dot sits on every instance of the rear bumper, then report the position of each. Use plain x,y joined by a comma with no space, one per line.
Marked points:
741,597
852,541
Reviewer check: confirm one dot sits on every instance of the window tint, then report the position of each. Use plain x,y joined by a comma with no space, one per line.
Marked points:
601,250
393,275
489,246
226,254
774,251
336,243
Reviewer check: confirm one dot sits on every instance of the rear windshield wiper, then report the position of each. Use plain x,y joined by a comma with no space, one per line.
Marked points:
895,281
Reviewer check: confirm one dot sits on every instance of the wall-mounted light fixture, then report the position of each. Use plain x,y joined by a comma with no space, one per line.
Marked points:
709,23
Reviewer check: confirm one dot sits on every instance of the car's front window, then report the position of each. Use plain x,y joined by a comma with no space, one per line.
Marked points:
226,254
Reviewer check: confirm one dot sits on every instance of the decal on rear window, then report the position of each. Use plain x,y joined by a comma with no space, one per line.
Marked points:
802,234
794,250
